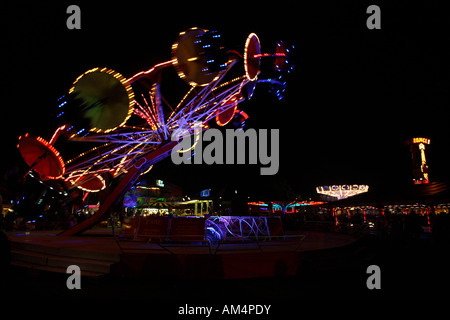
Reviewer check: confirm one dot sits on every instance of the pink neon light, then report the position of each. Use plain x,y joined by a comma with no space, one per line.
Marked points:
142,74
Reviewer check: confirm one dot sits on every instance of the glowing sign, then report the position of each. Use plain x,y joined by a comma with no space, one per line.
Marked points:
160,183
421,140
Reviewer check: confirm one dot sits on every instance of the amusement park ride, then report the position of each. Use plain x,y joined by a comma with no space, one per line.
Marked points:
123,134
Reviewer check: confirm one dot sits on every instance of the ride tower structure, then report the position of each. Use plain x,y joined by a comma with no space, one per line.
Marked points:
419,160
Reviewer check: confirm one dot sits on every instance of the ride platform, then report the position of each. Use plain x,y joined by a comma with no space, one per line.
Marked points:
98,253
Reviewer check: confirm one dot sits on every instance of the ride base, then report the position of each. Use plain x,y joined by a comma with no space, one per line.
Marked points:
98,253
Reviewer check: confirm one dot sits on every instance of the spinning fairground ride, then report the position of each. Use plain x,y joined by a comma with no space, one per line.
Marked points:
120,133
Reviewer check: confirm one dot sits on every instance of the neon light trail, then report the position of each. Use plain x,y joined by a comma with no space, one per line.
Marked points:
101,110
419,159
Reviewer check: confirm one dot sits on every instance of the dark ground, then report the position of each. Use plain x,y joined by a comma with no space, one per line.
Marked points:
414,270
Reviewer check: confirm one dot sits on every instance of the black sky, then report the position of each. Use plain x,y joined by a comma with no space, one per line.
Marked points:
355,96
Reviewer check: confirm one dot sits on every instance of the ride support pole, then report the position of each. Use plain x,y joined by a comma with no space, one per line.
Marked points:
124,185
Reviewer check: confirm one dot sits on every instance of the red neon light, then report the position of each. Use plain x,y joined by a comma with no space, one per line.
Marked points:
251,64
57,155
56,134
147,73
242,113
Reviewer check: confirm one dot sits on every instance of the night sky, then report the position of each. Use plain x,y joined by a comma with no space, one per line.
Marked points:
353,99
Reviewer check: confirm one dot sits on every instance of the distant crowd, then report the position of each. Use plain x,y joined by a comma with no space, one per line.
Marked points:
398,228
